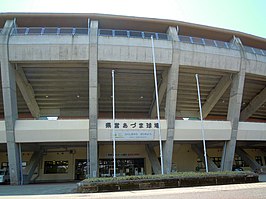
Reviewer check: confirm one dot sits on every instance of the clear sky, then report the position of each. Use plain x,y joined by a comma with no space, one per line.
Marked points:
247,16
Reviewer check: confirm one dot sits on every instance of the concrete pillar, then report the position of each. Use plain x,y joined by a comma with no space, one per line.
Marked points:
10,104
234,107
170,110
93,99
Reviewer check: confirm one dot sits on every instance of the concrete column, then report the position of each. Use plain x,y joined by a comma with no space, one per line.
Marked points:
170,110
93,99
10,104
234,107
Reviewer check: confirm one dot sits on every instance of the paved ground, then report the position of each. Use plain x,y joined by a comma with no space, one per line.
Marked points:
238,191
262,177
38,189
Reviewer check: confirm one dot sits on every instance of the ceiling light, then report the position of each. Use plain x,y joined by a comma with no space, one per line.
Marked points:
78,96
46,96
141,97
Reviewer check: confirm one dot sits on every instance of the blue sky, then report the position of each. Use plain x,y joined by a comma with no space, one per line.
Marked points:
247,16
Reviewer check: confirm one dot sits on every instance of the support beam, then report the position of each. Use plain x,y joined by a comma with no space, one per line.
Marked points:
199,151
33,163
93,99
10,104
162,90
216,94
27,92
254,105
170,110
234,107
248,159
153,158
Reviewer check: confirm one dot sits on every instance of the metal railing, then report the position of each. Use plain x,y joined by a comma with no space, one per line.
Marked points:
132,34
204,42
129,34
49,31
219,44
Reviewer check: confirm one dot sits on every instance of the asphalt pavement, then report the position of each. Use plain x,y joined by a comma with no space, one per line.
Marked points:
63,191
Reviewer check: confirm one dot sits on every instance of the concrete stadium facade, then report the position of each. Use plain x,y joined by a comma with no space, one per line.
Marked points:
59,65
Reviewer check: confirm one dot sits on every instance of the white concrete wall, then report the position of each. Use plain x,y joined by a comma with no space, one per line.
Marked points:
133,50
48,48
78,130
208,57
32,48
191,130
52,130
251,131
257,64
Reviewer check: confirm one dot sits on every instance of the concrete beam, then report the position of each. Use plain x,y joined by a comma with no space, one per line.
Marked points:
248,159
216,94
27,92
33,163
254,105
93,99
156,167
199,151
162,90
10,104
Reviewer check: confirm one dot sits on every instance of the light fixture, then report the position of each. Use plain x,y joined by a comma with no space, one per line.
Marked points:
141,97
52,118
78,96
46,96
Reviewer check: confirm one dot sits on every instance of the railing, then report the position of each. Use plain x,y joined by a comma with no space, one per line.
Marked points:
132,34
49,31
219,44
205,42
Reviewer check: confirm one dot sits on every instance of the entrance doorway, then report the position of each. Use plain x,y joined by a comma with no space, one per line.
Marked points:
80,169
124,167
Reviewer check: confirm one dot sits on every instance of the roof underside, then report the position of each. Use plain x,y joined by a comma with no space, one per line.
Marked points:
65,87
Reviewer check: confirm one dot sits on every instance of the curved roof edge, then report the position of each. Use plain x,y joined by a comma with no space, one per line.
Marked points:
109,21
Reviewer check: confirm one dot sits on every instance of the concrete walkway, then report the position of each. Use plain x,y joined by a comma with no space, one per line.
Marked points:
38,189
237,191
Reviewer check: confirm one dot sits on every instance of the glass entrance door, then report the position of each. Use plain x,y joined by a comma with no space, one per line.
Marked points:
80,169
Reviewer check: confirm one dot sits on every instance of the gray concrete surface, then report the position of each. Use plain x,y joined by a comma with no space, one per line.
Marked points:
237,191
262,177
37,189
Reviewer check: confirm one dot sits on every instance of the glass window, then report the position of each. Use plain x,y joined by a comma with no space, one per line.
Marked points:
239,162
259,160
217,161
52,167
124,167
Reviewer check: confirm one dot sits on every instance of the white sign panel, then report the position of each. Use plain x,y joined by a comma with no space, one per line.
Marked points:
134,135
